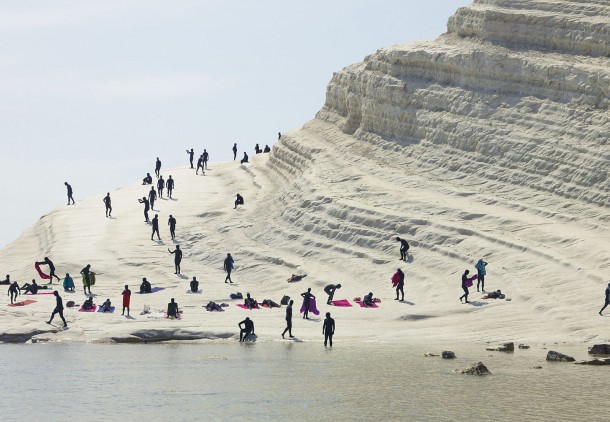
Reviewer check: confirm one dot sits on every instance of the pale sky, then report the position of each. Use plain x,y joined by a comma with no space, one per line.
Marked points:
91,92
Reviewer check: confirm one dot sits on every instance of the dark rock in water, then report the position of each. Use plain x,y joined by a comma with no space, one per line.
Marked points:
523,346
477,369
599,349
430,355
506,347
558,357
537,367
448,355
596,362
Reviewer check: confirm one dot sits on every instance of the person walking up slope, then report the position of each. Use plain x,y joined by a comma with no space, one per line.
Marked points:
228,267
466,283
70,198
288,320
155,227
59,309
607,302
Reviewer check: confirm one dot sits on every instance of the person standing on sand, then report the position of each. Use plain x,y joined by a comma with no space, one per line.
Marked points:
172,226
160,186
239,200
228,267
246,330
200,165
404,248
155,227
330,291
234,151
126,299
52,274
70,198
59,309
87,280
398,281
108,204
205,157
191,154
14,291
279,136
170,186
288,320
480,266
328,329
158,167
606,303
465,284
146,207
177,258
152,195
307,296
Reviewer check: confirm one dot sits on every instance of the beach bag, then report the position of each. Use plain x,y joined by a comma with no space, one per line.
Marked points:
285,300
237,295
70,304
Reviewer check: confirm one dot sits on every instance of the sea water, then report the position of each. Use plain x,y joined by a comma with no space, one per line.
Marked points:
286,380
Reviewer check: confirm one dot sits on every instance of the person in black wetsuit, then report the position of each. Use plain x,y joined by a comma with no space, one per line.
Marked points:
205,157
147,180
228,267
239,200
465,280
170,186
250,302
194,285
288,320
257,149
607,302
245,159
328,329
191,154
158,167
172,226
70,198
246,327
13,291
400,287
234,151
177,258
368,301
7,280
160,186
307,296
267,149
59,309
200,165
30,288
279,136
155,227
146,208
152,195
145,287
404,247
330,291
85,271
172,309
52,274
108,204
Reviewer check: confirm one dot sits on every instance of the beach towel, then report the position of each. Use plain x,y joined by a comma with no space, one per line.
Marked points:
241,305
23,303
90,310
40,273
198,292
362,304
342,302
153,290
312,307
41,292
91,279
101,309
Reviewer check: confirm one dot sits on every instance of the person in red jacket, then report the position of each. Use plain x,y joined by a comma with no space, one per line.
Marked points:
398,281
126,298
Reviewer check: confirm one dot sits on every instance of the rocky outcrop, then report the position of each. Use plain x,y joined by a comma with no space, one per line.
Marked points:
160,335
599,349
476,369
523,346
595,362
506,347
448,355
558,357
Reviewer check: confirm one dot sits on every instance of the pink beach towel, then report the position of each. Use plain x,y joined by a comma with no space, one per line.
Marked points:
23,303
312,307
44,292
362,305
90,310
245,307
40,273
342,302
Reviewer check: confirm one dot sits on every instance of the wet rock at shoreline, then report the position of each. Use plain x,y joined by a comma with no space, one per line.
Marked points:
430,355
506,347
448,355
523,346
596,362
558,357
476,369
599,349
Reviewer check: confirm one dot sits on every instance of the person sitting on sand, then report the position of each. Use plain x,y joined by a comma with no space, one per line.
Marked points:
194,285
145,287
267,149
88,304
30,288
7,280
172,309
368,300
494,295
250,302
246,327
68,283
239,200
269,303
106,306
245,159
294,278
147,180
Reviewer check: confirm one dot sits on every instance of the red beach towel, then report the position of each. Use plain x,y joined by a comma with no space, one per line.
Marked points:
362,305
40,273
23,303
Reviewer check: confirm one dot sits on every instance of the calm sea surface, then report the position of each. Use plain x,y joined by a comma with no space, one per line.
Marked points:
291,381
